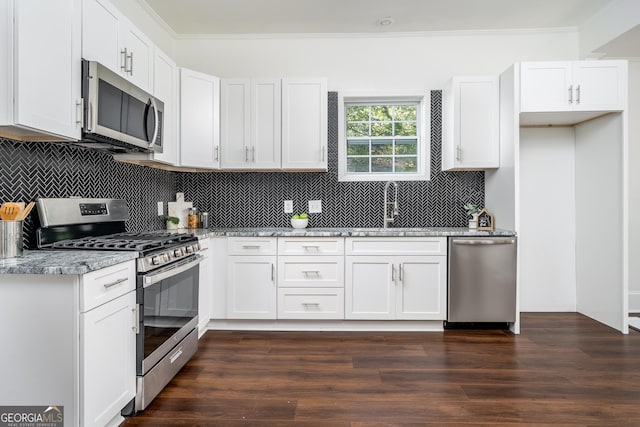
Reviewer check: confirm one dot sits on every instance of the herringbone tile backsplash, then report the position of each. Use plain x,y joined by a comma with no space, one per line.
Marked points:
253,199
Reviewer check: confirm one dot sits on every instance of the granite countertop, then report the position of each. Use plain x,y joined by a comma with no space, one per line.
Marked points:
357,232
63,261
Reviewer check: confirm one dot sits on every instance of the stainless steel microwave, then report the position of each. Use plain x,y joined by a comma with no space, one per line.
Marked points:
118,116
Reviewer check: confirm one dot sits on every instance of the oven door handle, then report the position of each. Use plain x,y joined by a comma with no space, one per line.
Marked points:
153,278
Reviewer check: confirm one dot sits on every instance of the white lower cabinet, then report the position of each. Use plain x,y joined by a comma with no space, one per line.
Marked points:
390,285
73,344
310,303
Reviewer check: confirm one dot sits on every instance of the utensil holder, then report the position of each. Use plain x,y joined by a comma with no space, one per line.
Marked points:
11,245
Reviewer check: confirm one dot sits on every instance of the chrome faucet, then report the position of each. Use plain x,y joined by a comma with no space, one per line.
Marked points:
390,214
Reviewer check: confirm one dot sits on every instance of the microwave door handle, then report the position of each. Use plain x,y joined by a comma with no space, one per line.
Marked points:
156,124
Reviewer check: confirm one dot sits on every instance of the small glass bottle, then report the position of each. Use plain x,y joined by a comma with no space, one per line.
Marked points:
192,218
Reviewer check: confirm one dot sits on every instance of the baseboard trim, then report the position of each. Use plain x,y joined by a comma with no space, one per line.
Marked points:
328,325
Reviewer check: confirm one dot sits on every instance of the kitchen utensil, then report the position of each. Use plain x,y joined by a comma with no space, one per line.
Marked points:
9,211
26,211
10,239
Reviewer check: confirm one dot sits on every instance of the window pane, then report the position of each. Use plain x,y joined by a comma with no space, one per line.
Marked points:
381,147
381,164
405,128
381,129
358,113
381,112
406,146
357,164
357,147
405,112
357,129
406,164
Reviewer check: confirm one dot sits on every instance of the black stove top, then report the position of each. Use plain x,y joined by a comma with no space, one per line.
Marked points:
140,242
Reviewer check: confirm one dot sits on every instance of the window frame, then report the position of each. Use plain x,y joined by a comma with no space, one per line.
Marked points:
423,132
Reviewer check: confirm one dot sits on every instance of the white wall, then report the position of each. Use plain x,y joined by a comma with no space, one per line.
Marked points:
547,235
375,63
634,184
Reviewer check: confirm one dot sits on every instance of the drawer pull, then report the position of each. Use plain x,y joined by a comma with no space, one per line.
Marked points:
313,304
176,355
117,282
316,248
250,246
308,272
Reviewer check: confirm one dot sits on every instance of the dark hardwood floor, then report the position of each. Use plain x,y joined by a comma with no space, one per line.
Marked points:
563,369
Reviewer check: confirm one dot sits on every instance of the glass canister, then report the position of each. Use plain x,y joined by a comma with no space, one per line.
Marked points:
204,219
192,218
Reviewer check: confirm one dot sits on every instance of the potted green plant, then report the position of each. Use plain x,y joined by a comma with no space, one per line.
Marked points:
472,212
172,222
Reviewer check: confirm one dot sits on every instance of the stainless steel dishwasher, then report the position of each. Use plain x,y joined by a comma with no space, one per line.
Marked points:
482,280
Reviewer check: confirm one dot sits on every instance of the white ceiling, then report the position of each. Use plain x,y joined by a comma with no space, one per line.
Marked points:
187,17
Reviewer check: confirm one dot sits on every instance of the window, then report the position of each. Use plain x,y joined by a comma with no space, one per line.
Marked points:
383,138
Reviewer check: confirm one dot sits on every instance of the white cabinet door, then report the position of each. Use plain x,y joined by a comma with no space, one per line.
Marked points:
165,88
101,35
108,357
235,122
42,80
573,86
546,86
599,85
139,57
250,123
369,287
304,124
199,119
470,130
421,290
251,292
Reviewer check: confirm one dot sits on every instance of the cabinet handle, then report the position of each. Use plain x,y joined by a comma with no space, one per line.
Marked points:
136,318
401,270
176,355
314,272
316,248
570,94
272,273
250,246
123,60
217,153
131,64
253,154
307,304
458,152
246,154
117,282
578,94
393,273
79,112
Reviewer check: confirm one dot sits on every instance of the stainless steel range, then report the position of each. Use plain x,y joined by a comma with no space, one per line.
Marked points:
167,281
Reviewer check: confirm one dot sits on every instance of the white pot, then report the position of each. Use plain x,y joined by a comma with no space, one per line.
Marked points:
171,226
473,222
299,223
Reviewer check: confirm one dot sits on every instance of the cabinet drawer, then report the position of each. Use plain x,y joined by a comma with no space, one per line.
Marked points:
396,246
251,245
303,271
311,303
101,286
310,246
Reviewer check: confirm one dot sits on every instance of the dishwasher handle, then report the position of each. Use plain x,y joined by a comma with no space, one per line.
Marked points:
484,241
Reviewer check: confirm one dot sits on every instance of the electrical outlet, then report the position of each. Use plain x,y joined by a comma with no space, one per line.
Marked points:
315,206
160,208
288,206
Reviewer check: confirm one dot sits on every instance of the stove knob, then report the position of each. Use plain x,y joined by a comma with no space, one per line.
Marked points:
189,249
196,247
177,253
166,257
156,260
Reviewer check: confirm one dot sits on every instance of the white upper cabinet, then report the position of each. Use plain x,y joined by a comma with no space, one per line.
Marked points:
165,88
250,123
573,86
304,124
40,69
274,124
109,38
470,123
199,120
